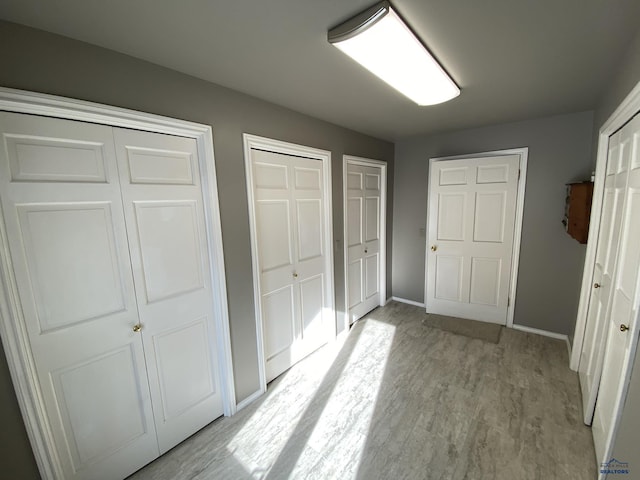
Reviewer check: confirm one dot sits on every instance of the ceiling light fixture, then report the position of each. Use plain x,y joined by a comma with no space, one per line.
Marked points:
382,43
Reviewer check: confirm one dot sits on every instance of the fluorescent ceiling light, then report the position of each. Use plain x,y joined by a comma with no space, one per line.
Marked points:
380,41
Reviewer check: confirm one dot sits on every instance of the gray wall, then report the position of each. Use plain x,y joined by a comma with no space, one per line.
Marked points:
551,262
38,61
628,437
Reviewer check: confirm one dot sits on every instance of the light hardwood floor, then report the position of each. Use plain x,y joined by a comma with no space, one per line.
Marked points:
401,400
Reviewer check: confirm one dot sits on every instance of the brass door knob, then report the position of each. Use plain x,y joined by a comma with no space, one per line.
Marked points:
295,275
623,328
433,248
596,285
366,251
137,328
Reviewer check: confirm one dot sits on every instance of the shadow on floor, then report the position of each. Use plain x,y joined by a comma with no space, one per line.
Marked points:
403,400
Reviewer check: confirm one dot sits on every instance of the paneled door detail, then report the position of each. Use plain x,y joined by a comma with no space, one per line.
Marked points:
164,215
592,355
363,218
290,232
62,208
622,315
472,206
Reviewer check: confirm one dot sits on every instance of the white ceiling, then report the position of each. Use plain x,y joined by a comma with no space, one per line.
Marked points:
513,59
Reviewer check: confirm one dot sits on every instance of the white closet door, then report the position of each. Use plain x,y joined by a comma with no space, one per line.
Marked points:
164,214
364,185
62,208
621,322
290,229
472,208
592,355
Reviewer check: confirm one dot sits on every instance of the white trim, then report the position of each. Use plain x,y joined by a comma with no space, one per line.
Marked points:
544,333
249,400
523,153
14,336
627,109
388,300
367,162
408,302
568,346
277,146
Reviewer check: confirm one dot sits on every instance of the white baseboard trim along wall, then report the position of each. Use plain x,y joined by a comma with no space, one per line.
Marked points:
545,333
522,328
250,399
410,302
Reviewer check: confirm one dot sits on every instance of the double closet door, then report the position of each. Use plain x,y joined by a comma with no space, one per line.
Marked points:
617,309
290,229
364,186
108,245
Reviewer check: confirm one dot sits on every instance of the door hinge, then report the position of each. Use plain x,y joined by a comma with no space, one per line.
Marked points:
508,301
519,171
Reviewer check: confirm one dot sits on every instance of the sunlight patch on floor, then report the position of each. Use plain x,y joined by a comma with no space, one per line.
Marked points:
339,437
341,428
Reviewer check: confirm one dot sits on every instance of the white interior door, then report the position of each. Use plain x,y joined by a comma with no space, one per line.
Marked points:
164,214
472,206
621,327
63,213
364,222
290,228
592,354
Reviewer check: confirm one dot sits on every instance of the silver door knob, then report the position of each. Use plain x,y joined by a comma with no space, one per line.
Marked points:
596,285
623,328
365,250
295,275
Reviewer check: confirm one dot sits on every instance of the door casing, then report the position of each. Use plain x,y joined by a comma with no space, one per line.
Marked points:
286,148
523,153
629,107
625,111
14,336
346,160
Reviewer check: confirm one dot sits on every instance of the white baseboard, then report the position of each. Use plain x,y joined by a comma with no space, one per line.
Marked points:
569,350
544,333
387,300
409,302
250,399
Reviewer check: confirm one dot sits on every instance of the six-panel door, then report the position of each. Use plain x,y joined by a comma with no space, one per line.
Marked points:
63,211
164,214
591,357
290,230
108,243
364,184
623,312
472,204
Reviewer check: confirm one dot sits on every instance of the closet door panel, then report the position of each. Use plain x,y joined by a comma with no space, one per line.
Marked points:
290,224
164,215
63,214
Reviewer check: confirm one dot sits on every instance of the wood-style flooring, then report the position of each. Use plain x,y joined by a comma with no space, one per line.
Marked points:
401,400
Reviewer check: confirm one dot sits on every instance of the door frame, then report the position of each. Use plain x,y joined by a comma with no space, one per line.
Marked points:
277,146
14,335
629,107
625,111
367,162
523,154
